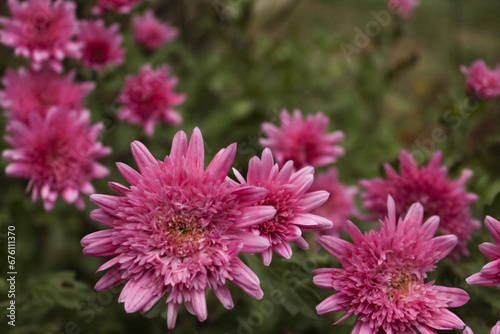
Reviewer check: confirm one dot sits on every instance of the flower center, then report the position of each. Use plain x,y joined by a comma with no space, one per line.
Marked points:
400,281
182,237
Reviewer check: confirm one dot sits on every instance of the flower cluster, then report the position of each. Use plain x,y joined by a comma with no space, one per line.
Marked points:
53,144
178,228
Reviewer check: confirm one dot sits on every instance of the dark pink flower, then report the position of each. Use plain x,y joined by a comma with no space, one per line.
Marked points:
339,206
490,274
121,6
152,33
149,98
303,141
41,30
29,92
429,186
101,45
481,81
57,154
405,8
176,230
382,277
288,194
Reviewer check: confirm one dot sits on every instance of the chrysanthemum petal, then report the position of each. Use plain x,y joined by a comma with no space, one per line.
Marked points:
195,152
173,309
254,215
493,227
332,303
142,156
253,243
333,245
457,297
224,296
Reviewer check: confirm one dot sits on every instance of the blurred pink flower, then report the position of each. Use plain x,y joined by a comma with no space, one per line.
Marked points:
382,276
494,330
57,154
431,187
29,92
481,81
175,230
490,274
121,6
288,194
152,33
339,206
302,141
405,8
149,98
41,30
101,45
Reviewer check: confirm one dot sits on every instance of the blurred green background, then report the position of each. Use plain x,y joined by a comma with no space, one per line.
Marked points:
240,62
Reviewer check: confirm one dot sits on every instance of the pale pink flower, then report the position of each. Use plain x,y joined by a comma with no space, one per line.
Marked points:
152,33
494,330
339,206
121,6
101,45
405,8
490,274
430,186
57,154
41,30
481,81
302,141
288,194
149,97
29,92
382,276
176,230
467,330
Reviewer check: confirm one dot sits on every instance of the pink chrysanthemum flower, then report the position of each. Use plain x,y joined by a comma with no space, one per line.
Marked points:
121,6
288,194
382,277
101,45
176,230
405,8
339,206
57,154
29,92
481,81
494,330
431,187
302,141
152,33
490,274
41,30
149,98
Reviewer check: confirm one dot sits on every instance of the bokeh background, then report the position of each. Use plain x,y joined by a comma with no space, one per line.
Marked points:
240,62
